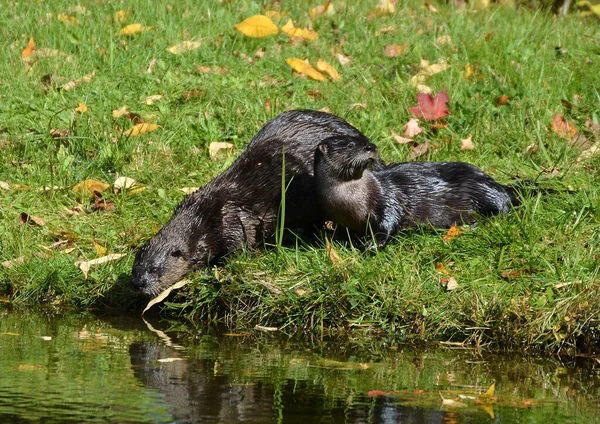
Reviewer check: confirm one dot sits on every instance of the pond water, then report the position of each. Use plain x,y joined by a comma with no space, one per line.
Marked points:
80,368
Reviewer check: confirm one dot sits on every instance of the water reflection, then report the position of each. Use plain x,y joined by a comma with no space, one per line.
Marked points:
90,369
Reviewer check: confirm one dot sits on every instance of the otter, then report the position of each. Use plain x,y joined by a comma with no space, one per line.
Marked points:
388,199
239,208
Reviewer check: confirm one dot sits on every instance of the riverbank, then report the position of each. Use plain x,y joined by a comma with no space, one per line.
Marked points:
523,86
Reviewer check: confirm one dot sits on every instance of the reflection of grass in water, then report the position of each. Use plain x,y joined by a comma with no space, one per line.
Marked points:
83,373
548,247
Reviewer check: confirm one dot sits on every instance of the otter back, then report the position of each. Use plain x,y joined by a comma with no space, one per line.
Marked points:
239,207
404,195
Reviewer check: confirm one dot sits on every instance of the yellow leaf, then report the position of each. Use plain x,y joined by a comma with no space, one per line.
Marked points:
452,233
85,266
120,15
394,50
29,49
467,143
151,99
100,250
123,184
71,20
82,108
304,68
274,14
117,113
326,8
304,33
141,129
90,186
184,46
489,393
257,26
132,29
328,69
163,295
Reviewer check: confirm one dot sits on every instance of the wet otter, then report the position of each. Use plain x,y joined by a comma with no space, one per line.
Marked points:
402,195
239,207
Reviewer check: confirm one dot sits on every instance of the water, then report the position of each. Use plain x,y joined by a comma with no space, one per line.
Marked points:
85,369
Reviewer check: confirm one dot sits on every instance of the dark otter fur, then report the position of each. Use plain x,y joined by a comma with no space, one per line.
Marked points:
401,195
239,207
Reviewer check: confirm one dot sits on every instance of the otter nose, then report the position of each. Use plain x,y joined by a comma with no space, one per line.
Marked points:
371,147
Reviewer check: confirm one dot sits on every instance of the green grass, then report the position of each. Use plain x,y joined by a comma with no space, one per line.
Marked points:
534,57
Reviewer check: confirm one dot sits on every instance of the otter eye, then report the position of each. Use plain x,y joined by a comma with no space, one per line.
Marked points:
177,253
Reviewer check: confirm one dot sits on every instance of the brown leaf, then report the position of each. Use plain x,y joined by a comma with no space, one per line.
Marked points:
418,150
13,262
567,130
186,95
267,105
257,26
399,139
502,100
394,50
439,267
321,10
315,94
29,49
31,220
467,143
411,128
76,82
449,282
56,133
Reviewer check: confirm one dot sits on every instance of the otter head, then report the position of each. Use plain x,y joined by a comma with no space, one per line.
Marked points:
180,246
346,157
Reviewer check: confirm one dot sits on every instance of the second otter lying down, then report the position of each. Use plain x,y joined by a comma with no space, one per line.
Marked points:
401,195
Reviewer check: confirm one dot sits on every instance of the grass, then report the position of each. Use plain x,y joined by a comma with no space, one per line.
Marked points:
528,279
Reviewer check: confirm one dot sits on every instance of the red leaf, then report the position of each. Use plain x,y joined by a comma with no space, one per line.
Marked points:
431,108
375,393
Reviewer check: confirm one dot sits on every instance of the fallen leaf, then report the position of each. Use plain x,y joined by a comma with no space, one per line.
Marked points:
56,133
303,33
315,94
386,7
267,105
13,262
444,40
321,10
186,95
151,65
328,69
274,14
257,26
449,282
430,7
32,220
343,59
29,49
418,150
71,20
82,108
151,99
357,106
567,130
385,30
88,187
123,184
133,29
74,83
120,16
85,266
452,233
431,108
451,403
395,50
117,113
588,153
189,190
411,128
399,139
418,80
467,143
512,274
141,129
265,329
184,46
468,71
304,68
100,250
4,185
502,100
216,146
439,267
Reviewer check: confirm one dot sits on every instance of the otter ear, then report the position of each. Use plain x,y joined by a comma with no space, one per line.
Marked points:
323,147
